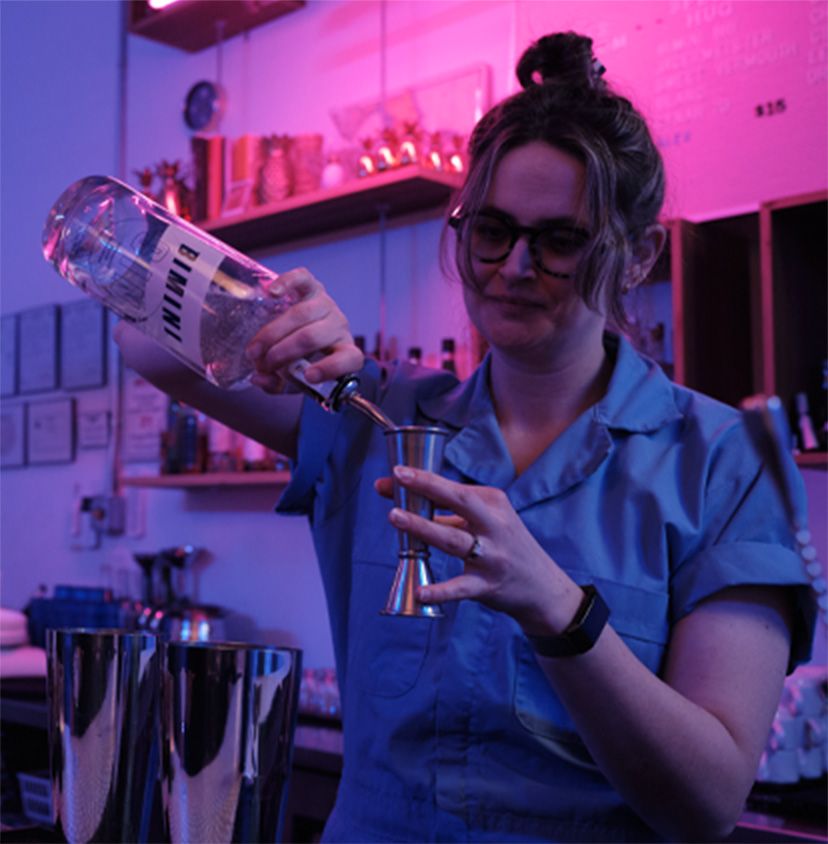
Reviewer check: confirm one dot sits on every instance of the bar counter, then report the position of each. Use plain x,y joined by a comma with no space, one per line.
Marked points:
317,763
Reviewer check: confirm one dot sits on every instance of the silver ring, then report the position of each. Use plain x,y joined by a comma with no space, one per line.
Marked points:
475,551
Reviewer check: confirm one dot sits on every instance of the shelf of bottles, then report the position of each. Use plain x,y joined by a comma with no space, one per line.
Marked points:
197,452
208,480
398,192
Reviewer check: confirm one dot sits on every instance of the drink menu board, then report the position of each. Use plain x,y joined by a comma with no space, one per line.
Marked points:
735,91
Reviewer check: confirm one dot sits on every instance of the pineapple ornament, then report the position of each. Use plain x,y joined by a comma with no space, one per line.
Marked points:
175,195
145,179
434,156
456,162
366,165
276,180
386,150
409,149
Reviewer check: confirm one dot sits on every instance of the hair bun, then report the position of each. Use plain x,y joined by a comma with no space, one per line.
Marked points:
563,58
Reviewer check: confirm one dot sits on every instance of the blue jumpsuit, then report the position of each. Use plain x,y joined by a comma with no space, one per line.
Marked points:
451,730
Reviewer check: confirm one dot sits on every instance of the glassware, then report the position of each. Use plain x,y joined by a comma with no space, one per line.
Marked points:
103,692
228,715
421,447
198,297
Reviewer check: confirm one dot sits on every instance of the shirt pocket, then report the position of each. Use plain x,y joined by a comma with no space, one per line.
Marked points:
388,651
638,616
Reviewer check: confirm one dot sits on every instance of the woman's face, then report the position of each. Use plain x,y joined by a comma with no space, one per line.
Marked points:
521,308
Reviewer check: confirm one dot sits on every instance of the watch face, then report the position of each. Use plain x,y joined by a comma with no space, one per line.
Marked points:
202,109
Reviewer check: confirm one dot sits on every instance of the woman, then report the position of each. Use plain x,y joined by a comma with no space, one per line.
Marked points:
621,601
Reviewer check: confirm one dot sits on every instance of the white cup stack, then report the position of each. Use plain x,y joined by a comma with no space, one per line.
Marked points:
797,747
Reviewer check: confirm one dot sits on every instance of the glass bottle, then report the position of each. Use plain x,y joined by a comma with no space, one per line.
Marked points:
198,297
447,356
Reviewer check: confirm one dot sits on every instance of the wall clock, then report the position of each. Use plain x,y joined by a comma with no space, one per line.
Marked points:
204,106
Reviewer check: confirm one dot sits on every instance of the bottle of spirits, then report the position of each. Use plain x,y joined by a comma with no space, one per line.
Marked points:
196,296
807,435
415,355
447,359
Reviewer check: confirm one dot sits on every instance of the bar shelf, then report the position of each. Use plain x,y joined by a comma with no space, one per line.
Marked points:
395,193
208,480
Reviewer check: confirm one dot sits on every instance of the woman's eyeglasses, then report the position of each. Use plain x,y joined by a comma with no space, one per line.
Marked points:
492,236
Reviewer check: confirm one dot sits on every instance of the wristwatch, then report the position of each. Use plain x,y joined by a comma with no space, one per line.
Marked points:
582,633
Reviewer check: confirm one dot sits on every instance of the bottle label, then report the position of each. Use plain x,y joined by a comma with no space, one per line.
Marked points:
184,265
321,392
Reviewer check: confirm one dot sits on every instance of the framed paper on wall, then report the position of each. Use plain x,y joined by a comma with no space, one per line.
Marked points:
12,435
83,345
38,330
144,418
93,428
8,355
50,431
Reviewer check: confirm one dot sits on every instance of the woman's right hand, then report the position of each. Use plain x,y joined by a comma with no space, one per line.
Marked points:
312,326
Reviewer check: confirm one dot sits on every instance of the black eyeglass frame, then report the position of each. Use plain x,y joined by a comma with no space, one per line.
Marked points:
532,233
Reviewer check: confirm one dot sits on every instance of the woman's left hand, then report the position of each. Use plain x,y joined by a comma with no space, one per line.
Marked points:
504,566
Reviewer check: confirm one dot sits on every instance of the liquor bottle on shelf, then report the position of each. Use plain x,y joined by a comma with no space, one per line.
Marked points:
379,348
415,355
190,440
447,355
169,459
222,451
256,457
807,435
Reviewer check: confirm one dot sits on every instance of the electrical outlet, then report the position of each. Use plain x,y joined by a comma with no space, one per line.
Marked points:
107,513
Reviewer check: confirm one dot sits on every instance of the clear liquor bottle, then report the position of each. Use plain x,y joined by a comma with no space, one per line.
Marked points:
195,295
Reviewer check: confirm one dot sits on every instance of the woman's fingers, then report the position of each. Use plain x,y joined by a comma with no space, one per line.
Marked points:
341,361
312,326
467,585
385,487
298,284
448,534
473,503
272,383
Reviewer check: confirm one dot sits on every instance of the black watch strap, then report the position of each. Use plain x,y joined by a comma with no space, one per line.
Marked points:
582,633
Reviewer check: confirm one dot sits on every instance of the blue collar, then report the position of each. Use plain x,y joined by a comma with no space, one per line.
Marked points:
639,399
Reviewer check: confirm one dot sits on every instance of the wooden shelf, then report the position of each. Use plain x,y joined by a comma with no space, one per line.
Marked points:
405,190
191,24
208,480
812,459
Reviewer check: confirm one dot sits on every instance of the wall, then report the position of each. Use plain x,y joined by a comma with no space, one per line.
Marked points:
708,66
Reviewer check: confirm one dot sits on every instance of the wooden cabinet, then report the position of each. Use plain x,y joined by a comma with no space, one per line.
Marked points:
749,305
793,242
193,25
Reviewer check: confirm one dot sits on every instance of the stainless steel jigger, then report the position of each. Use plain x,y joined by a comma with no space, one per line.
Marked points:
421,448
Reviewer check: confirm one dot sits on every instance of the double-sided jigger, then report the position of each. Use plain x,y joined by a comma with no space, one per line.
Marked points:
420,447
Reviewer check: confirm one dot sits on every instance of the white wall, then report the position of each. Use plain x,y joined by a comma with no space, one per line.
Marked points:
59,122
